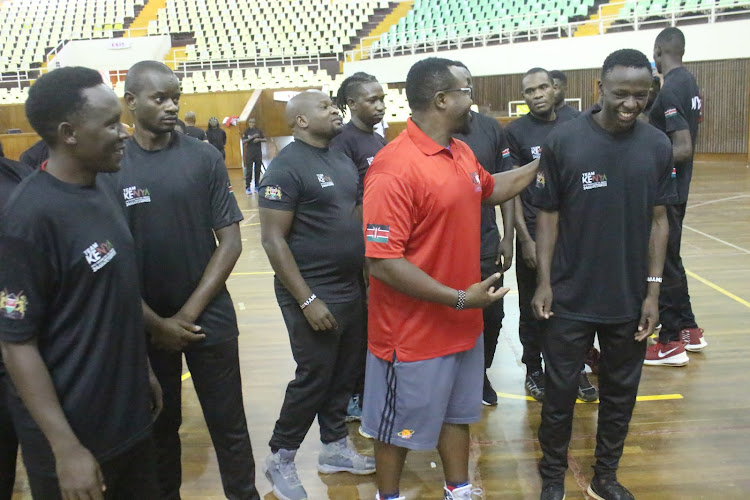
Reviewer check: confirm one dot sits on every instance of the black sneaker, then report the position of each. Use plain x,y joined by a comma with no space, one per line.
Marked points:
535,384
489,396
586,390
553,491
608,489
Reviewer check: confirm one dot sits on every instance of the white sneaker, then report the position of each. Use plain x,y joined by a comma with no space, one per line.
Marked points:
463,493
377,497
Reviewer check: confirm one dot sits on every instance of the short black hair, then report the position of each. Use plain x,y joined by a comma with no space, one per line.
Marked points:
346,90
672,39
426,78
56,97
536,70
134,79
656,80
556,74
630,58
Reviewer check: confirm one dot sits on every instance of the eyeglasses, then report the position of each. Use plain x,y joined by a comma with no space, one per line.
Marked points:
469,91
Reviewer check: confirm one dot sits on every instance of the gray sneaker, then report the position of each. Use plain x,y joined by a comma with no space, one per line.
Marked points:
338,456
282,473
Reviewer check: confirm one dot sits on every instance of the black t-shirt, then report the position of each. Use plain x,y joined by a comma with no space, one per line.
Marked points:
604,187
565,113
35,155
678,107
195,132
361,147
486,139
69,278
217,138
174,200
11,173
526,135
253,149
320,186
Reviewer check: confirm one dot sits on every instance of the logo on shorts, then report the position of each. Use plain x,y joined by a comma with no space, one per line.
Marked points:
592,180
99,254
406,434
536,152
272,193
13,305
506,153
134,195
378,233
324,180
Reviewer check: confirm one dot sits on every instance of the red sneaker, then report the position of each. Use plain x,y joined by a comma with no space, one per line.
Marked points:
693,339
669,354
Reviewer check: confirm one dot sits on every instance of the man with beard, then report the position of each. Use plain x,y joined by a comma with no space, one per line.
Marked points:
364,97
560,82
312,234
486,138
526,136
71,324
423,382
601,236
179,203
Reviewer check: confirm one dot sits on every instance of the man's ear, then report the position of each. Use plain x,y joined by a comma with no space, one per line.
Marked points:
66,134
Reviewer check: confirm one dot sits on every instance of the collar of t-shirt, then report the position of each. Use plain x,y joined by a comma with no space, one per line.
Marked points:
423,142
314,148
596,108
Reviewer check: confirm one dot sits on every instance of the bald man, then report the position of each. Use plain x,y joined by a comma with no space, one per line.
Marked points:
193,131
313,237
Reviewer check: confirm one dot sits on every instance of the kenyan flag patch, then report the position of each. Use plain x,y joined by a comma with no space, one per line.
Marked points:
378,233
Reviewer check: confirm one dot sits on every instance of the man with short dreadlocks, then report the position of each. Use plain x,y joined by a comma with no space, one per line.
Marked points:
363,96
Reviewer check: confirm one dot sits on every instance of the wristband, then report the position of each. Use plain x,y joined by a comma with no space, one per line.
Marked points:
308,301
461,300
654,279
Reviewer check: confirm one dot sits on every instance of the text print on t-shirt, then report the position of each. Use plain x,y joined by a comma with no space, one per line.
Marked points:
592,180
536,152
134,195
475,180
99,254
324,180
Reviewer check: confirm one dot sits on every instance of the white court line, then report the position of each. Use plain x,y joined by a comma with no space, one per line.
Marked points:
719,200
745,250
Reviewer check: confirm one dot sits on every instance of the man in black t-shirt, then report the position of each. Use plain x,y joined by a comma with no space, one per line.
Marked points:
677,112
486,139
560,82
193,131
252,142
71,323
313,237
11,173
178,202
526,135
601,235
361,94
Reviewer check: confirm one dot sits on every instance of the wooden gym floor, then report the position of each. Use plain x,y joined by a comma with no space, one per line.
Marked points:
690,433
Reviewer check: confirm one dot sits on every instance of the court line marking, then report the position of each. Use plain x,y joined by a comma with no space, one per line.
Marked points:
185,376
718,288
745,250
718,201
657,397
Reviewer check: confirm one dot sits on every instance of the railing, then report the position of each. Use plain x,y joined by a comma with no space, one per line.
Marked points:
529,27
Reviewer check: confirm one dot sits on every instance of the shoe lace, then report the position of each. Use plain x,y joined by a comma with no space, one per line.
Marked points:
288,471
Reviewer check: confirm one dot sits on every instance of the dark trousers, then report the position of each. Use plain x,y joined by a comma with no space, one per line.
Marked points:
675,311
215,371
565,343
127,476
328,363
8,444
529,328
493,314
253,165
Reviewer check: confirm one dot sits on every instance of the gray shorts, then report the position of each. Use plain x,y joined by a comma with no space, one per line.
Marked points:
407,403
